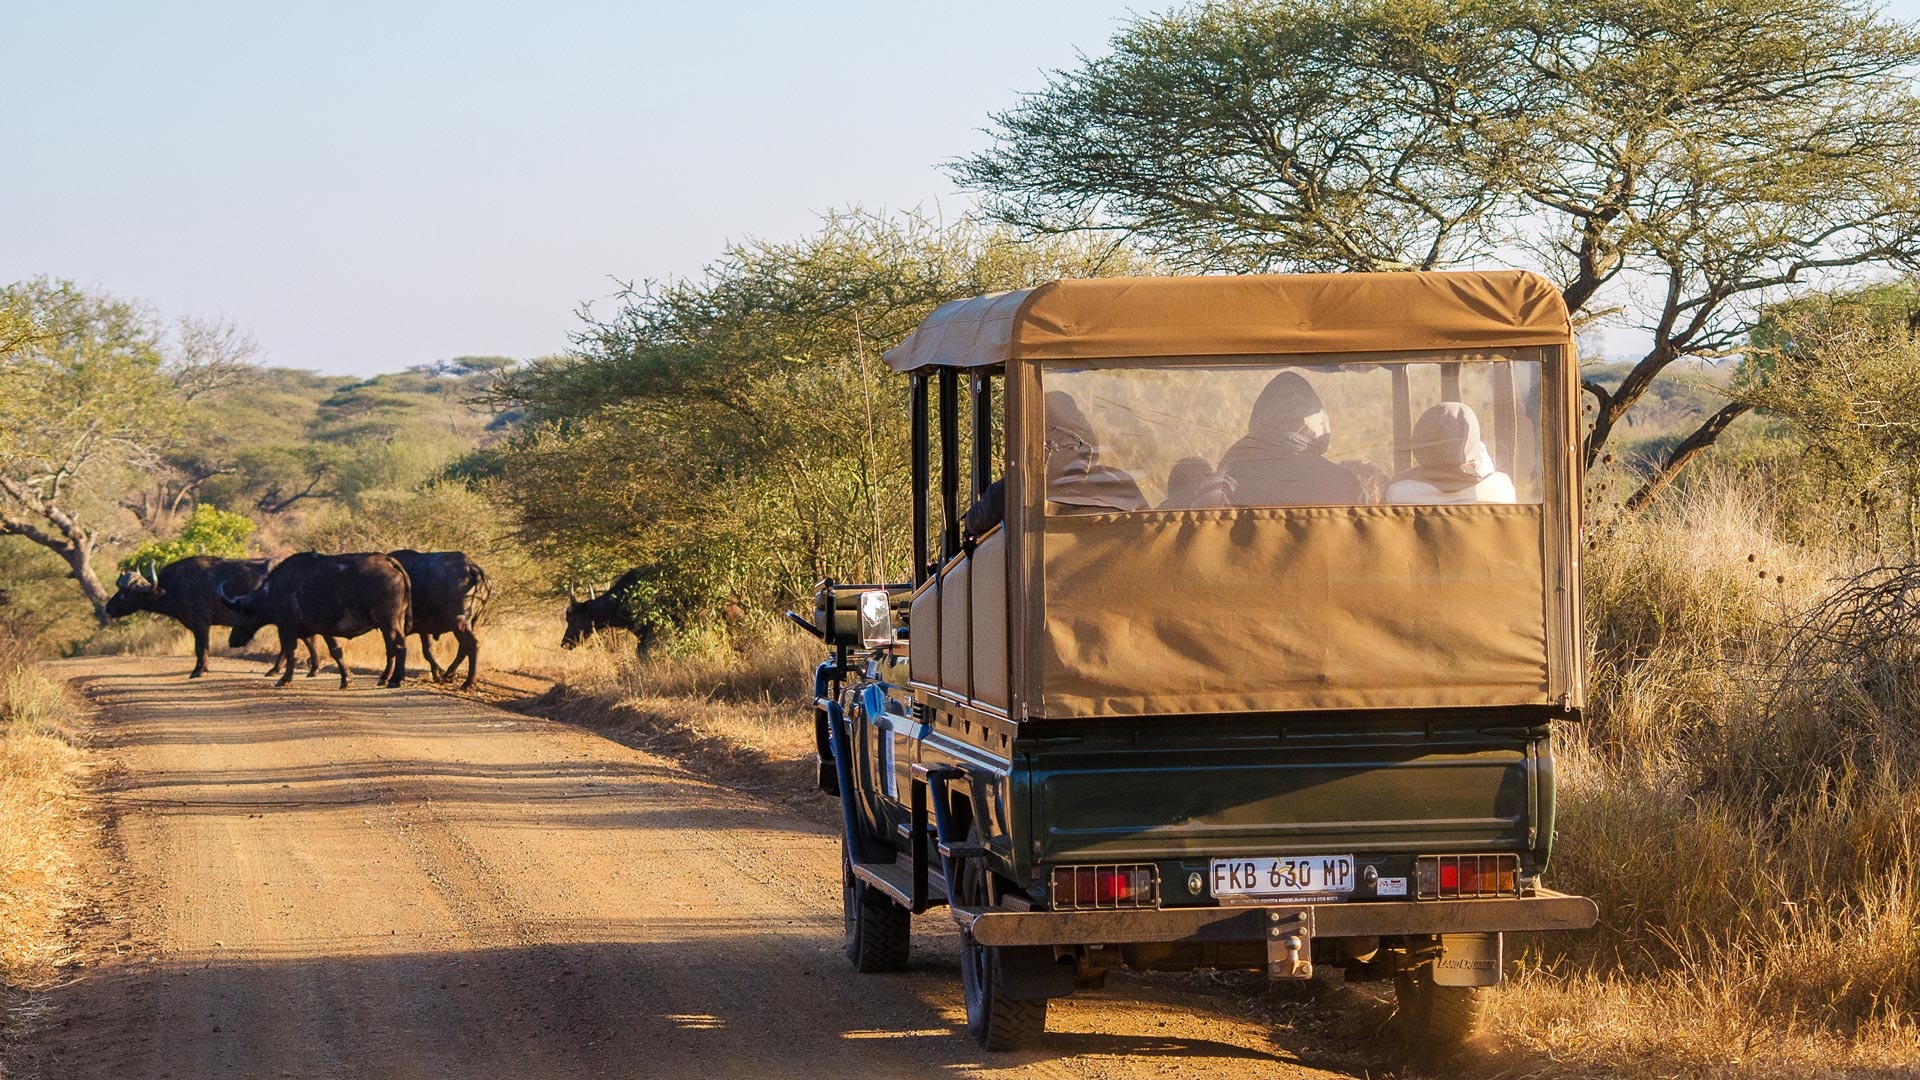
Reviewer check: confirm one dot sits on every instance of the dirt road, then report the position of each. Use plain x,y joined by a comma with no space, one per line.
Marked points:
367,883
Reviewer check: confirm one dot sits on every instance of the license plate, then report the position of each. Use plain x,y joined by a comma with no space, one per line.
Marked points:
1284,875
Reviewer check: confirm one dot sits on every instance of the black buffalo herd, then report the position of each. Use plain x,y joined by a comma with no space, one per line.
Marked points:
312,596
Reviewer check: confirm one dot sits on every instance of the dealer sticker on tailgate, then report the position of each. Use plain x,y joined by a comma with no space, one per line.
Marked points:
1284,875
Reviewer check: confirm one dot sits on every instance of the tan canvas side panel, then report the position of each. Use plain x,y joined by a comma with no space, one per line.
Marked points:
1320,608
990,620
923,636
956,633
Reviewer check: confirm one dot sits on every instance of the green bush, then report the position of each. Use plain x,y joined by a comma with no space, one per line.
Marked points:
209,531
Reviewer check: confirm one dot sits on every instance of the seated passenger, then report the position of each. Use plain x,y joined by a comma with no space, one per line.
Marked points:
1076,481
1282,461
988,510
1451,463
1190,485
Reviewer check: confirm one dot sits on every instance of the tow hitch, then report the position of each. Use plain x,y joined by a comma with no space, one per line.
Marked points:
1290,944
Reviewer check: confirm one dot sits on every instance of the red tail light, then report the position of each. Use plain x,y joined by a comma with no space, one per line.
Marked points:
1111,886
1453,877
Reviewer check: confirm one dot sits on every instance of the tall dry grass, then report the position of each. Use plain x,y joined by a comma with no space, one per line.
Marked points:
40,832
736,700
1744,804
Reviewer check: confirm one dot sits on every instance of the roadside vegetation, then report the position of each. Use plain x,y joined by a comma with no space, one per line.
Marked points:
42,829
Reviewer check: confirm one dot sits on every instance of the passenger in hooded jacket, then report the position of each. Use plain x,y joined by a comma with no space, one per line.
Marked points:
1076,481
1282,460
1451,463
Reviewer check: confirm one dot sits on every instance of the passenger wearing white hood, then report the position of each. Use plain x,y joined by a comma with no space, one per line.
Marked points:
1452,464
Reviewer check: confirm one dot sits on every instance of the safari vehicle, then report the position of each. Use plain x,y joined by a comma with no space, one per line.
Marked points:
1260,669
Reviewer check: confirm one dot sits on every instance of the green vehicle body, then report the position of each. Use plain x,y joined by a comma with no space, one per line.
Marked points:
952,801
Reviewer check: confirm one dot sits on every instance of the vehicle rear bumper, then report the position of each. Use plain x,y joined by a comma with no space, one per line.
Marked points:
1249,922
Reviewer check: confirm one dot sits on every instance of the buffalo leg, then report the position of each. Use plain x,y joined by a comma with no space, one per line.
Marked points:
289,652
397,651
199,650
433,665
275,669
469,648
339,660
313,658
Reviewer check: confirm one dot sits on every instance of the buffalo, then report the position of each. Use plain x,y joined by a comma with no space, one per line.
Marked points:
338,596
449,591
187,591
617,608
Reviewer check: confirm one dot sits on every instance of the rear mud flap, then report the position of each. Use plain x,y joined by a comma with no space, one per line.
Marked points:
1030,972
1469,960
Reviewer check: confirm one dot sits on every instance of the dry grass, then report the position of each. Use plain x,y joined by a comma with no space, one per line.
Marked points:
140,635
1676,1026
40,833
736,705
1753,845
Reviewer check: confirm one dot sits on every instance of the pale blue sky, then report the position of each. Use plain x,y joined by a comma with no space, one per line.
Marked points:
368,186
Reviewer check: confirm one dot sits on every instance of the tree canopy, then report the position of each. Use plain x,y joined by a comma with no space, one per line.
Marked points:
1839,370
84,398
1674,165
736,434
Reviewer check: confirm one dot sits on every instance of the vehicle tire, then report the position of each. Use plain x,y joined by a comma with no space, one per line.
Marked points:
996,1023
879,932
1436,1022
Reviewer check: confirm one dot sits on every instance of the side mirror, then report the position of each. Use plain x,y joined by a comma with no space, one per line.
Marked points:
876,618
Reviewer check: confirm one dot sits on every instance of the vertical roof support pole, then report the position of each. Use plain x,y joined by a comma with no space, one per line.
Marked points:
1402,420
921,474
949,462
1506,422
982,393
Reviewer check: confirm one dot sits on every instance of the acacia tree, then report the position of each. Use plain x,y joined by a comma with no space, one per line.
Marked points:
736,434
88,396
1674,165
1838,369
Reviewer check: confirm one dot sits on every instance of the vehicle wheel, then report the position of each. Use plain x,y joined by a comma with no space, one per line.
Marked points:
995,1022
1436,1022
878,930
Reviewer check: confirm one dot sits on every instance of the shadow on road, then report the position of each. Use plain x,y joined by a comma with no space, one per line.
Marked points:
720,1003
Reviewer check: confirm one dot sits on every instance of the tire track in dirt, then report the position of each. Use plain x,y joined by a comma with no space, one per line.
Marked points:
370,883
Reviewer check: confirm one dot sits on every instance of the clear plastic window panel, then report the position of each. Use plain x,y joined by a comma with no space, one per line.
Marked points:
1139,436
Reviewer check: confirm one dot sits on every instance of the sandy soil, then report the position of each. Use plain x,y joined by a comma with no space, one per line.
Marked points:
369,883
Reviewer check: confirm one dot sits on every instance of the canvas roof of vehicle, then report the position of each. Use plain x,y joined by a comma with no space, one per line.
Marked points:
1245,315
